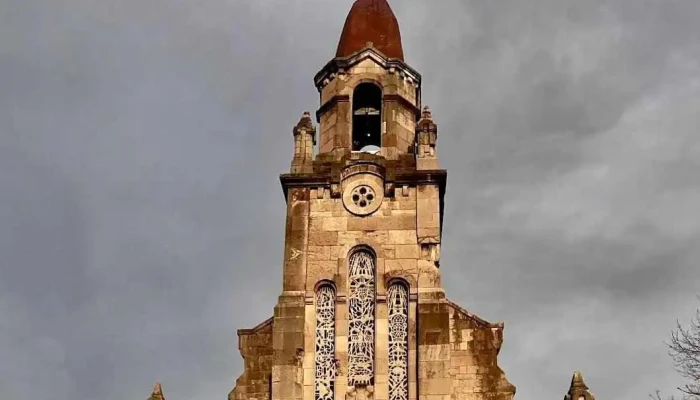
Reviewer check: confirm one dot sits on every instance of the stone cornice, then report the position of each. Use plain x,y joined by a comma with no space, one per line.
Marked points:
340,65
257,328
418,177
478,320
393,179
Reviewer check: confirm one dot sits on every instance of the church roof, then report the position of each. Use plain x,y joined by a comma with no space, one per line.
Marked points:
371,21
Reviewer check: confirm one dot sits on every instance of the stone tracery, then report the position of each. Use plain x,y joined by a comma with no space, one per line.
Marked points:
325,344
361,299
397,301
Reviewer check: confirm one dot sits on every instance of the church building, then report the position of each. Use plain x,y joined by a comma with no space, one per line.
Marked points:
363,314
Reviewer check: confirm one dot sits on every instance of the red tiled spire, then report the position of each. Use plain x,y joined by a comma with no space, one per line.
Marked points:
371,21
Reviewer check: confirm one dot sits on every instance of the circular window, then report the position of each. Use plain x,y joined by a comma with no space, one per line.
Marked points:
362,198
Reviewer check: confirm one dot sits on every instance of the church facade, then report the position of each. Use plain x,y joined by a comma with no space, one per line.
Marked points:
363,314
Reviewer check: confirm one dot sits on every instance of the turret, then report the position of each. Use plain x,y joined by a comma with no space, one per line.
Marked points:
157,392
578,389
426,139
304,141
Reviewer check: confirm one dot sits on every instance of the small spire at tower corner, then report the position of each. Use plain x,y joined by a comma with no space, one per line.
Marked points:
304,141
426,123
427,114
157,393
577,381
578,389
426,140
305,124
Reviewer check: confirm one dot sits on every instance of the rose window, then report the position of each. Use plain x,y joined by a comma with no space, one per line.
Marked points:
363,196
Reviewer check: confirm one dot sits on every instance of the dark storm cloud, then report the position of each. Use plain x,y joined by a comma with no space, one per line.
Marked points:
142,220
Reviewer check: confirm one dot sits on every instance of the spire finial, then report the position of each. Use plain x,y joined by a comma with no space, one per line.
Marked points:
577,381
158,388
157,392
427,114
578,389
305,124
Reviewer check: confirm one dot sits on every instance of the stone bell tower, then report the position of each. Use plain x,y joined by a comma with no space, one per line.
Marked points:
363,314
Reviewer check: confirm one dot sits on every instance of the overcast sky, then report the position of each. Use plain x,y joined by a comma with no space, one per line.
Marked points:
142,220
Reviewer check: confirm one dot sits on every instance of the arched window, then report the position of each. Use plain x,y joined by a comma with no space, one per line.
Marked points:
397,302
367,117
361,315
325,343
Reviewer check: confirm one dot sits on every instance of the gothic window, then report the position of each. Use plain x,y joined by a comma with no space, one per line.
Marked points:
366,117
325,343
361,297
397,302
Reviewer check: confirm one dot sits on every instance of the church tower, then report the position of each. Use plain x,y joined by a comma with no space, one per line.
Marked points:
363,314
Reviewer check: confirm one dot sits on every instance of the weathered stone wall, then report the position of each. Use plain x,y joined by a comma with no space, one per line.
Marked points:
255,346
451,353
333,233
458,355
474,347
288,348
399,113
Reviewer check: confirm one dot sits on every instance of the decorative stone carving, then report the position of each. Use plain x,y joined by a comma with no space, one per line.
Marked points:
295,254
360,393
398,341
325,344
364,196
361,314
362,168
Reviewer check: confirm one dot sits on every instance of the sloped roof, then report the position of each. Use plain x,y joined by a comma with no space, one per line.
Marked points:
371,21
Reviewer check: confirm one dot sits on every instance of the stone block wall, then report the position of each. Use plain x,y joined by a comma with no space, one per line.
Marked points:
332,234
401,103
255,346
474,348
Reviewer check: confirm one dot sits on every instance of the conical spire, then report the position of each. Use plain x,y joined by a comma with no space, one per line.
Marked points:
578,389
371,23
305,124
577,382
157,392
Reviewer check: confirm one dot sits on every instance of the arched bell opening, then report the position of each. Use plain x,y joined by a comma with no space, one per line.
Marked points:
367,118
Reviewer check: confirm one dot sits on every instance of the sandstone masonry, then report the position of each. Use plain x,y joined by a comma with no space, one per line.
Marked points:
363,314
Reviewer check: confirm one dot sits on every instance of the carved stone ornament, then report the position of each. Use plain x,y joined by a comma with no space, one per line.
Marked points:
363,194
398,341
325,361
361,324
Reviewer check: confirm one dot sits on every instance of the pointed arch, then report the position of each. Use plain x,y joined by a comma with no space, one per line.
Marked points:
361,316
397,302
324,359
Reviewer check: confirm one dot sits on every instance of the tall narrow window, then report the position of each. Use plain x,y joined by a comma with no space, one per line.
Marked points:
367,118
325,343
361,319
397,299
